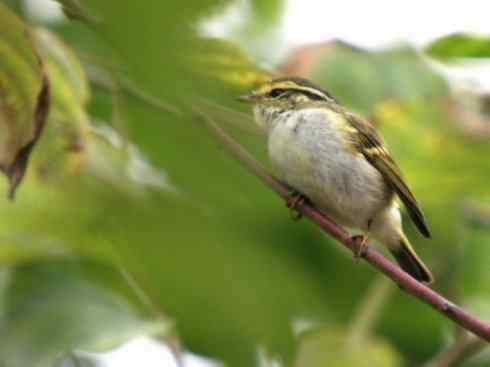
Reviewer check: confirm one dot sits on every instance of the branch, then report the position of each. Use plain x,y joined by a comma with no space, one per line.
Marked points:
369,310
462,350
373,257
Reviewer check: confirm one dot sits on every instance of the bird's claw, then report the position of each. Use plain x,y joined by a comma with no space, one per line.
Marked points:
295,201
361,242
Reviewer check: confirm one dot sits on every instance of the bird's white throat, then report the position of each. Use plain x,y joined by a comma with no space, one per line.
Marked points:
267,116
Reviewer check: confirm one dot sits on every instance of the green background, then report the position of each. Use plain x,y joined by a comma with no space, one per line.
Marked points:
133,218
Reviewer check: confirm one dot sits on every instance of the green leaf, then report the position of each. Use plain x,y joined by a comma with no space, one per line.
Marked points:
328,347
24,97
459,45
51,308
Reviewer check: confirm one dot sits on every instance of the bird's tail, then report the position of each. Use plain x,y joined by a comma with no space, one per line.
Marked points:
410,262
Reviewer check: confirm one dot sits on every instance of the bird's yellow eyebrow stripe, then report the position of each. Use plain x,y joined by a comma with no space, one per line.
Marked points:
289,85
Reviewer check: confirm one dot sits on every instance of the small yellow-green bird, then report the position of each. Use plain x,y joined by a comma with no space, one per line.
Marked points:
338,161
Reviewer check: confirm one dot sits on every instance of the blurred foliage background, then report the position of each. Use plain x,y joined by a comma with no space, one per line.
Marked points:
132,220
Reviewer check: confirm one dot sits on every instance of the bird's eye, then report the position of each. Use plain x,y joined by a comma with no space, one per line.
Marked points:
276,93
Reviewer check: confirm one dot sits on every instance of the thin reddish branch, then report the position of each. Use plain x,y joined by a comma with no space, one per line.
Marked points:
375,258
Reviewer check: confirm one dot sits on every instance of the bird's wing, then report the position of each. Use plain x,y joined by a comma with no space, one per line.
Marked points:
370,143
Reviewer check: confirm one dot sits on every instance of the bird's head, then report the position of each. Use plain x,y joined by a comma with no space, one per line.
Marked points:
281,95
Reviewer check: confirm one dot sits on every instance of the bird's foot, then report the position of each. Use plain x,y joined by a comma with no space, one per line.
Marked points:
361,242
295,201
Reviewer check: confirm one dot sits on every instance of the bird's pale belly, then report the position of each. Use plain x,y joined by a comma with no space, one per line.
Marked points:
343,185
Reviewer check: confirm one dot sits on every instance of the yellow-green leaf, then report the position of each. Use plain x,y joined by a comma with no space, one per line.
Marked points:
67,130
24,96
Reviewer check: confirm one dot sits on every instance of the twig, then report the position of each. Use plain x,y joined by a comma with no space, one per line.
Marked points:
375,258
369,310
172,341
463,349
73,358
232,117
102,80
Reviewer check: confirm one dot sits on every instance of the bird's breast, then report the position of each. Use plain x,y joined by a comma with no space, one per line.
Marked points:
310,151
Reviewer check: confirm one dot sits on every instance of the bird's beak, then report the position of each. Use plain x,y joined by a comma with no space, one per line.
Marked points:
248,98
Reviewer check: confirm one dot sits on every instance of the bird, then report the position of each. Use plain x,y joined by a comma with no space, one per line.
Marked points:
340,163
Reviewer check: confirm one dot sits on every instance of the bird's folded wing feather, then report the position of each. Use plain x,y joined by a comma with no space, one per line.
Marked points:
370,143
